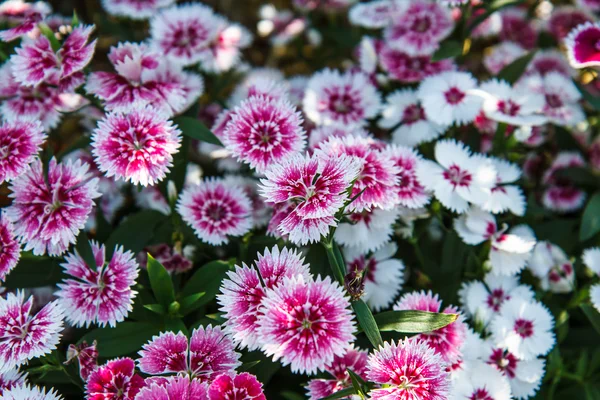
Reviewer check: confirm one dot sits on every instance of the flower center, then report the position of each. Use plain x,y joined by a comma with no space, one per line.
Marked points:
524,328
508,107
216,212
457,176
553,100
412,114
481,394
496,298
454,95
421,24
306,324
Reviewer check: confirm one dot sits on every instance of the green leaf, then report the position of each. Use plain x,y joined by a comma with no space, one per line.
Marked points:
126,338
358,383
411,321
32,272
191,303
206,279
341,394
590,98
135,232
75,20
155,308
84,249
195,129
248,365
286,394
592,314
448,49
579,175
367,322
513,71
590,221
161,283
337,268
46,31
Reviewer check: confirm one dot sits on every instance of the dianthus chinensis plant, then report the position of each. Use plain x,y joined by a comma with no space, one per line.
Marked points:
324,199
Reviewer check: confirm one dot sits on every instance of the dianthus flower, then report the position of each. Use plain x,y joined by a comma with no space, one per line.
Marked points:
478,380
517,27
242,386
591,259
551,265
20,141
22,17
582,48
504,196
373,14
353,359
367,230
26,392
10,378
561,193
86,356
134,9
566,18
174,388
10,250
404,68
502,55
114,380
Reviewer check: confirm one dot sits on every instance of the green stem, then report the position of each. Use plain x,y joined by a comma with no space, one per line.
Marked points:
338,270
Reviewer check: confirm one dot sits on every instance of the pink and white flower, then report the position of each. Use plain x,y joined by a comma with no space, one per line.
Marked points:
24,336
20,142
478,380
591,259
446,341
114,380
411,192
86,355
517,27
11,378
262,131
244,289
373,14
135,9
174,388
404,68
447,98
561,193
367,230
590,5
50,212
458,177
502,55
10,250
137,146
550,264
99,294
242,386
174,259
224,51
523,327
305,323
321,134
210,352
546,61
346,100
566,18
418,28
582,45
353,359
404,113
410,369
26,392
22,17
216,210
504,196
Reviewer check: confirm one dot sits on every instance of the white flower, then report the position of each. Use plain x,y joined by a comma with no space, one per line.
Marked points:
367,230
591,258
552,266
504,197
478,380
447,100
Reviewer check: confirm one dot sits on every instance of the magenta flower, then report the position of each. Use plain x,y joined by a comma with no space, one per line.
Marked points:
174,388
404,68
137,146
87,358
10,250
447,341
24,336
115,380
210,352
216,210
20,141
36,62
243,386
378,177
582,45
243,291
26,392
518,27
263,131
353,359
564,19
305,323
409,370
11,378
48,214
101,296
134,9
411,192
25,16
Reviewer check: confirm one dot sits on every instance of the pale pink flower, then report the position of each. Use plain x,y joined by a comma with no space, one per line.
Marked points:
305,323
48,213
419,27
518,27
86,356
411,192
404,114
550,264
262,131
368,230
26,392
22,17
136,146
566,18
225,51
102,295
265,82
502,55
546,61
373,14
10,378
242,386
346,100
353,359
114,380
561,193
36,62
409,370
20,141
210,352
24,336
216,210
376,182
10,250
446,341
174,388
320,134
244,289
404,68
135,9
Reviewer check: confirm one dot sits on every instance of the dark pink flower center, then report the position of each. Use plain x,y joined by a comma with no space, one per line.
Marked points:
524,327
559,272
496,298
504,361
421,24
457,176
341,103
554,101
454,95
508,107
481,394
412,114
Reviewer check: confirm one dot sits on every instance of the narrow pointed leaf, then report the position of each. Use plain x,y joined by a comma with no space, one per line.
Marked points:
412,321
195,129
367,323
161,283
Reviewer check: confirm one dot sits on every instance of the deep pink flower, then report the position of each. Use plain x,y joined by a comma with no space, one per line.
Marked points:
136,146
411,192
216,210
243,291
305,323
353,359
517,27
102,296
409,370
24,336
35,62
582,45
10,378
447,341
48,213
243,386
404,68
10,250
210,353
376,183
566,18
174,388
115,380
419,28
134,9
263,131
86,355
20,141
22,17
